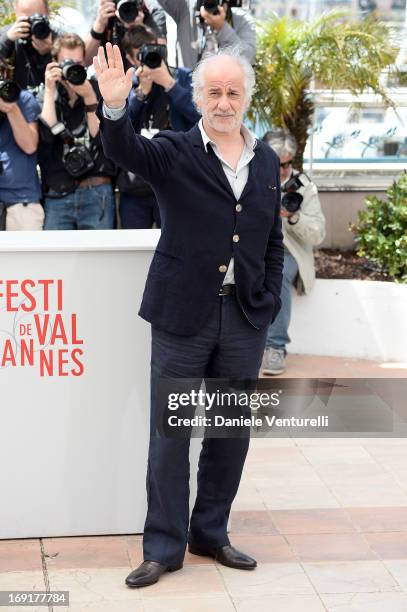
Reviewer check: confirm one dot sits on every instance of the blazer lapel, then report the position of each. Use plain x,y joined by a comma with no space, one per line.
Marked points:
209,159
215,165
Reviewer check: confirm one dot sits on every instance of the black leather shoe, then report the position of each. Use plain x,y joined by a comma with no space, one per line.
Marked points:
227,555
148,573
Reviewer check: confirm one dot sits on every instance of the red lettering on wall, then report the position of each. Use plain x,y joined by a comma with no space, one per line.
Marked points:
27,353
8,354
80,365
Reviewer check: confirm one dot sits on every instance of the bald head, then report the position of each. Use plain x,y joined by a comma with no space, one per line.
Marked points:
30,7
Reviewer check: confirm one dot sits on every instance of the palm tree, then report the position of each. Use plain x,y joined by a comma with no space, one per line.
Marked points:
338,51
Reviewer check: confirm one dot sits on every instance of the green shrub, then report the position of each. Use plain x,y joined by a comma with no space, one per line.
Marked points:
381,230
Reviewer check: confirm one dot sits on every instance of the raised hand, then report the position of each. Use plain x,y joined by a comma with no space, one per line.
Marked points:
114,83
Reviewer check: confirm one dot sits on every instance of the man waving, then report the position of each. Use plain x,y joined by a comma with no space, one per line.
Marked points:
212,289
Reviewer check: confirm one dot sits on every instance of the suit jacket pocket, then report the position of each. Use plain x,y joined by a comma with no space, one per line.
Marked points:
165,265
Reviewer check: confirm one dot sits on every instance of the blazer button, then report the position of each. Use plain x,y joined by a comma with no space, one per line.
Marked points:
238,208
222,268
236,238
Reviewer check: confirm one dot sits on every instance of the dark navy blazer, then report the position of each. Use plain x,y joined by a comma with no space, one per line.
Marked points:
199,219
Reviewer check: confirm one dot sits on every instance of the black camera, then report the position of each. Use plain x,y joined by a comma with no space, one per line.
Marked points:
292,190
152,55
39,26
76,157
72,72
212,6
128,9
9,90
77,160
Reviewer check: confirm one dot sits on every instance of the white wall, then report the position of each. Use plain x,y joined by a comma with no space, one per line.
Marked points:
73,450
347,318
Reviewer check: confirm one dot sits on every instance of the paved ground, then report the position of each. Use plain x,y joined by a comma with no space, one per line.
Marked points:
312,366
325,518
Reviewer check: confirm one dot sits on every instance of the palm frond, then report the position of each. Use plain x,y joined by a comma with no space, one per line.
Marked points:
336,49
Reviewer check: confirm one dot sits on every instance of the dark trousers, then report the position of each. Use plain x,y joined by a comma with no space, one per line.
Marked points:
3,212
228,346
138,212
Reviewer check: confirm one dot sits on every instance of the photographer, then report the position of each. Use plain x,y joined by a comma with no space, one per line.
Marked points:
26,44
115,17
159,100
19,186
76,177
303,228
203,24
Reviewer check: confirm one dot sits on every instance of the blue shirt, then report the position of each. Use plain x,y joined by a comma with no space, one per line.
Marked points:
18,179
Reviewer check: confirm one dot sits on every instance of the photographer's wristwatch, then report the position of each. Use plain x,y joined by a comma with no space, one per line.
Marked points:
294,218
96,35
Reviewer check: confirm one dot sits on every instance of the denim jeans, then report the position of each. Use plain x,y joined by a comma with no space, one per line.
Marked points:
86,208
277,335
227,347
138,212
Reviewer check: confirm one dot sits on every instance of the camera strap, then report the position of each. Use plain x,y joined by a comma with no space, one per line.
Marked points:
28,65
69,136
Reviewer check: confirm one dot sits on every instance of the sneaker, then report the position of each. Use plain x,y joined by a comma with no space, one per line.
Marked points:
274,361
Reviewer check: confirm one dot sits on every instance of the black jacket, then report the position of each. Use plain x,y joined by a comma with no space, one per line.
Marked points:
199,219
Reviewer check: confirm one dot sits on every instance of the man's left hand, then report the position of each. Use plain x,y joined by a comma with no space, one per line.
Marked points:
85,91
160,75
216,22
285,213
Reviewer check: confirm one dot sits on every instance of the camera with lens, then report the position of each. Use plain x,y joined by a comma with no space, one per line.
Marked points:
152,55
73,72
128,9
77,160
76,157
293,192
39,26
212,6
9,90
